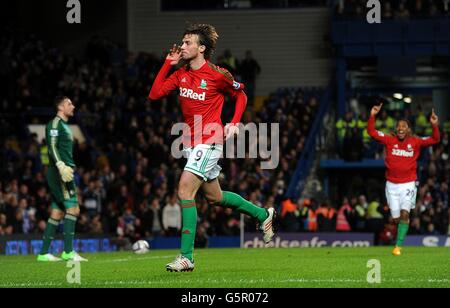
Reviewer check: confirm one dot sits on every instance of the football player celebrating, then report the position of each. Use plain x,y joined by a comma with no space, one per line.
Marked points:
402,152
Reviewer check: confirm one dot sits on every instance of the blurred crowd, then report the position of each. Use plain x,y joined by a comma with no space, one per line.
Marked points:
174,5
394,10
126,176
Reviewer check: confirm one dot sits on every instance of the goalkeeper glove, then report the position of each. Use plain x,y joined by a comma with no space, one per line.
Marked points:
66,172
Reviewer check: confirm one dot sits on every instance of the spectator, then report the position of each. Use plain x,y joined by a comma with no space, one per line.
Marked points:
309,215
345,217
360,213
229,62
289,216
389,234
157,226
171,217
415,228
353,145
388,13
201,239
344,127
326,218
91,200
431,230
375,219
402,13
249,69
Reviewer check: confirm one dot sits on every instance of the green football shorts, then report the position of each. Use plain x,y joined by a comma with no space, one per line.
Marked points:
64,195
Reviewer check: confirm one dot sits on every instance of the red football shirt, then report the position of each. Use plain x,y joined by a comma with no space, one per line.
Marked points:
201,94
402,155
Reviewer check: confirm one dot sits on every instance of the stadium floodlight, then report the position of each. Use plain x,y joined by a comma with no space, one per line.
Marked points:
407,100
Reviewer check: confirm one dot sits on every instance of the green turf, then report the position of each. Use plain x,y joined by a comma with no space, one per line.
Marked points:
242,268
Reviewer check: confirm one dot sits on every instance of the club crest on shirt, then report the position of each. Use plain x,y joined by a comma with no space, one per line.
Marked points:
203,85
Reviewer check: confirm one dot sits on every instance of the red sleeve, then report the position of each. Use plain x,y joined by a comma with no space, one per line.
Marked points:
241,104
236,90
375,134
434,139
162,86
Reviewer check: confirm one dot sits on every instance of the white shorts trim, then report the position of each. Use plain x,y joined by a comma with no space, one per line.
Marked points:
203,159
401,197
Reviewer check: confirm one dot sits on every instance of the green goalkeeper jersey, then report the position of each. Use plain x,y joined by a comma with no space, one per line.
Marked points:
60,142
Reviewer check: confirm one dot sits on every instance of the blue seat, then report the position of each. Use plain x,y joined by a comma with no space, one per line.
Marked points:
360,32
421,31
389,31
443,30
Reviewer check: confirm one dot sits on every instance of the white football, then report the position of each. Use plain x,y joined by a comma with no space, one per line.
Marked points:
141,247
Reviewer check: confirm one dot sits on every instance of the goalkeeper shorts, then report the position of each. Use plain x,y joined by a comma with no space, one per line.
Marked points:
63,194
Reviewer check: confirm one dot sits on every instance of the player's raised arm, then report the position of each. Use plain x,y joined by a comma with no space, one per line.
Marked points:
436,137
162,85
377,135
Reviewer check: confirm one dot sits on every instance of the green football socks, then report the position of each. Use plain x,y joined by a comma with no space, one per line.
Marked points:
401,233
49,235
69,232
189,213
234,201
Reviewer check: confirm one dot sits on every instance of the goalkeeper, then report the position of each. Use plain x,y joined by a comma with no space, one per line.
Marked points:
60,180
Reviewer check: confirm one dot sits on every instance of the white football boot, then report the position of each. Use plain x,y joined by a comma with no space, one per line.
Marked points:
180,264
267,226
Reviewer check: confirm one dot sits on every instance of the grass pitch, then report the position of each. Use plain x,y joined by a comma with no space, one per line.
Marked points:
240,268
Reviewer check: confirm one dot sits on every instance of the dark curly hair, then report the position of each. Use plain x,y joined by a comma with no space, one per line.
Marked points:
207,36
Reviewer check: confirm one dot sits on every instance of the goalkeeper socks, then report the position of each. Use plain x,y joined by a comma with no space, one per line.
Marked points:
49,235
401,233
234,201
69,232
189,228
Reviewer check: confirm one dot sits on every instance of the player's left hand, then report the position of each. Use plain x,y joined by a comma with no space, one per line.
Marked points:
434,119
231,130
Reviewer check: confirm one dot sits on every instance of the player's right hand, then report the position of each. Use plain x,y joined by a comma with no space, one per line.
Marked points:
65,171
375,110
174,55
